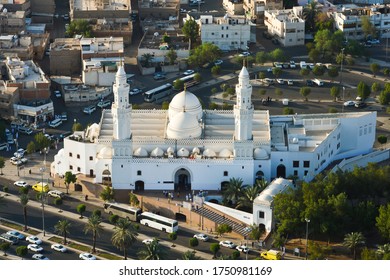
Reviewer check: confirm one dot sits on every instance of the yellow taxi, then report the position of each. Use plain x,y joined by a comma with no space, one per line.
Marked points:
41,187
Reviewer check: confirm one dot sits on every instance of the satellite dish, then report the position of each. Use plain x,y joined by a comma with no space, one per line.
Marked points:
156,34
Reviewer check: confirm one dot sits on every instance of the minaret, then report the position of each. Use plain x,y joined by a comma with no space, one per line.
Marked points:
243,109
121,108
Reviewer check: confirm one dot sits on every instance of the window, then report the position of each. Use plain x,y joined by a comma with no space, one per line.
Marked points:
261,214
225,173
306,172
139,172
296,163
70,155
222,27
78,169
295,172
227,35
222,36
71,167
306,164
78,156
90,158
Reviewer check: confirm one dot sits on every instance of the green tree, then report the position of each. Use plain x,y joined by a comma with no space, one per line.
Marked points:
146,60
166,39
152,251
255,232
335,92
214,248
384,96
323,43
262,75
23,199
79,27
62,227
205,53
214,90
277,71
198,77
262,57
41,141
368,254
318,70
178,84
113,219
374,68
317,251
193,242
107,194
314,54
4,246
21,251
367,27
133,200
172,56
333,72
278,92
386,71
124,236
382,139
277,55
235,255
77,127
363,90
233,191
81,209
216,70
223,228
172,236
375,87
288,111
249,194
69,178
213,106
58,202
310,13
2,165
31,148
304,72
94,226
305,91
353,241
190,255
323,21
191,31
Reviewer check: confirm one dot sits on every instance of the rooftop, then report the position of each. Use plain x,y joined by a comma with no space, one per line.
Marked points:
88,5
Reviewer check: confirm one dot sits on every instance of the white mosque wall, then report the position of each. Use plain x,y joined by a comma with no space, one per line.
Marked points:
242,216
265,218
98,78
286,159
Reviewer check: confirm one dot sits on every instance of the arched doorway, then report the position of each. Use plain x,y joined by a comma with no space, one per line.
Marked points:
182,180
139,186
259,175
224,186
262,227
281,171
106,177
181,217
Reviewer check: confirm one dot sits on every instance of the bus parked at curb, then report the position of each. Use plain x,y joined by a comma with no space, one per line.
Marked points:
122,210
158,93
159,222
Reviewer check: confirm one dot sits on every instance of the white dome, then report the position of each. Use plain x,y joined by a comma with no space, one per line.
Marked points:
170,150
183,126
209,153
157,152
196,150
61,153
243,73
183,152
260,153
140,152
225,153
105,152
185,101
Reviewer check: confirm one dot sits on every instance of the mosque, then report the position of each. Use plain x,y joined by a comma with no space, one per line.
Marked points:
189,148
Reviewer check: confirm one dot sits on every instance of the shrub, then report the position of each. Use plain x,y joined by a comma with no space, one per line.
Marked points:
113,219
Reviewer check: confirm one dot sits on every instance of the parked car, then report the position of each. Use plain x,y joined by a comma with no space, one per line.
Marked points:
15,161
360,104
243,248
55,123
349,103
3,146
245,54
17,234
189,72
25,130
34,248
33,239
148,241
87,256
135,91
159,76
58,248
227,244
292,64
9,238
56,194
309,83
218,62
41,187
280,81
104,103
201,236
21,184
290,82
90,109
20,153
39,257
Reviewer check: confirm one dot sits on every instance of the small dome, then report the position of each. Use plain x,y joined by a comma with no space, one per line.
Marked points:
209,153
140,152
185,101
294,140
105,152
183,152
157,152
225,153
196,150
61,153
170,150
260,153
184,126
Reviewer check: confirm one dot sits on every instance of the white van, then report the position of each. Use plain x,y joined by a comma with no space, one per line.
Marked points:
90,109
25,130
55,123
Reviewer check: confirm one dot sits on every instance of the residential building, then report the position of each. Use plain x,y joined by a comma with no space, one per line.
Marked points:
9,95
234,7
12,23
19,45
287,26
17,5
65,57
254,9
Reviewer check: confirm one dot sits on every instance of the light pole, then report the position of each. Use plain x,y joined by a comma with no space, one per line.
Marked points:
44,158
387,41
42,170
341,66
18,159
343,99
307,235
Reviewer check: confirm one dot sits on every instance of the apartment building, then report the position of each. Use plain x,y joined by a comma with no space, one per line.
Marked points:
227,32
65,57
255,8
20,45
12,22
9,95
287,26
234,7
17,5
348,20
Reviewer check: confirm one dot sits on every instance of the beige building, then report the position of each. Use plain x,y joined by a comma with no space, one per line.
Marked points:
9,95
255,9
287,26
158,9
22,46
17,5
65,57
12,22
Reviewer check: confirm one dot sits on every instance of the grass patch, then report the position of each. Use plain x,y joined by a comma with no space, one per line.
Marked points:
110,256
19,227
56,239
79,247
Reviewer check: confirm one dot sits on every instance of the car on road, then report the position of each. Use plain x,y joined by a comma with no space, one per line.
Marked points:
55,123
104,103
87,256
269,81
309,83
149,240
39,257
349,103
189,72
20,153
245,54
17,234
243,248
218,62
159,76
292,64
15,161
290,82
33,239
135,91
201,236
41,187
9,238
58,247
34,248
227,244
280,81
90,109
360,104
21,184
56,194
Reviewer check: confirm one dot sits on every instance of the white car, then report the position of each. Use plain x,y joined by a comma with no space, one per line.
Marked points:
227,244
218,62
58,248
269,70
201,236
20,153
33,239
21,184
56,194
188,72
87,256
104,103
243,248
135,91
15,161
34,248
17,234
40,257
349,103
290,82
245,54
148,241
57,93
280,81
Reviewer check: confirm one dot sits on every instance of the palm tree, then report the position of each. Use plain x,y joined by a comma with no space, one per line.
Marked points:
152,251
190,255
354,240
94,226
124,236
62,228
310,13
255,232
248,196
234,190
24,201
383,250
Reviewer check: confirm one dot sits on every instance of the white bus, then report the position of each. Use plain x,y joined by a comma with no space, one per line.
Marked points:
159,222
122,210
188,81
157,93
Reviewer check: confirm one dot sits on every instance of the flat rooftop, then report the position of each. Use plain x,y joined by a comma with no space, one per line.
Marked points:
95,5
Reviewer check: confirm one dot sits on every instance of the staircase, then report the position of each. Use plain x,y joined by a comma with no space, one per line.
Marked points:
221,219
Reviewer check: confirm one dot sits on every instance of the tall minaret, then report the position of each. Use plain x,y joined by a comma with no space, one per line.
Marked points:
121,108
243,110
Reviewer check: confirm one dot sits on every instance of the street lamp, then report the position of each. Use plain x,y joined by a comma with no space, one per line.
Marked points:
343,99
17,157
43,196
44,157
307,235
341,66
